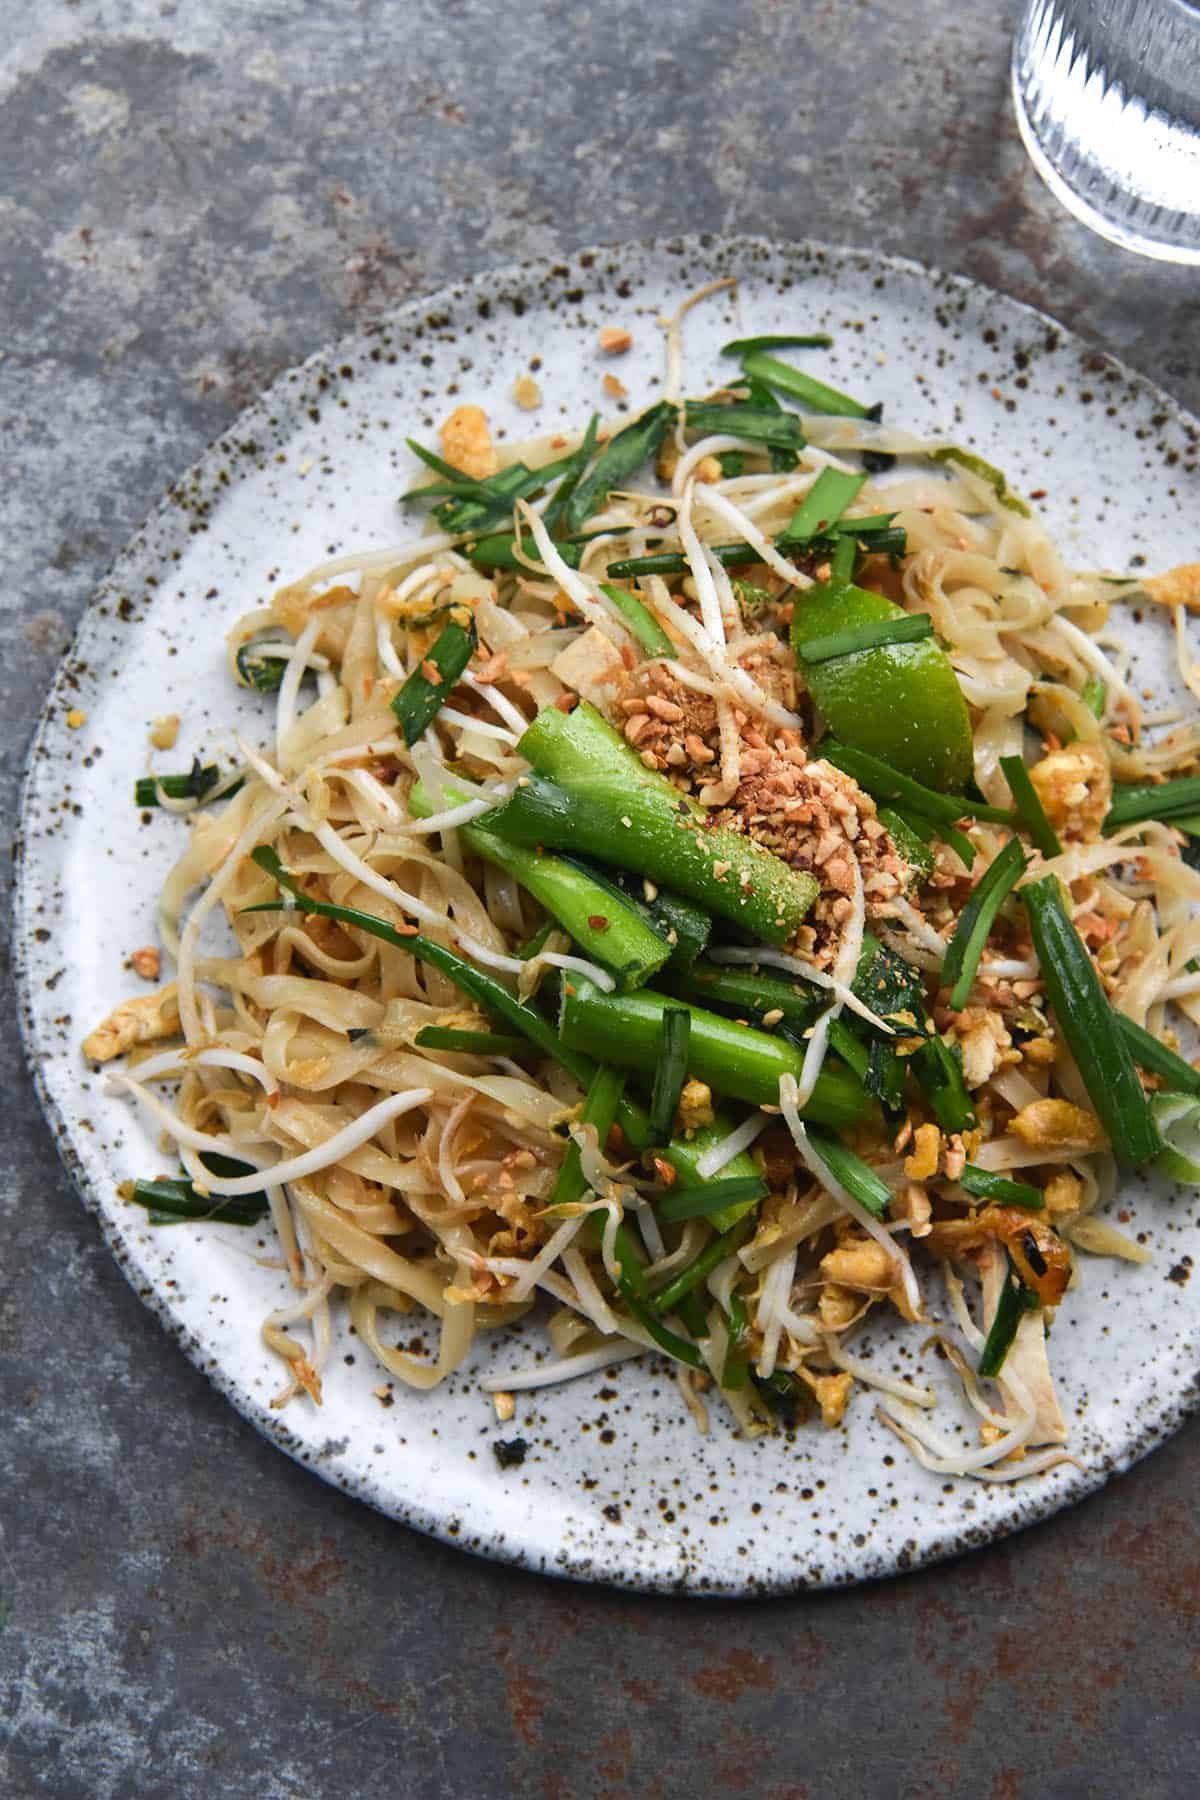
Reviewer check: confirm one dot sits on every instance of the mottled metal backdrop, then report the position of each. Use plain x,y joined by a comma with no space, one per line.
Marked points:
192,196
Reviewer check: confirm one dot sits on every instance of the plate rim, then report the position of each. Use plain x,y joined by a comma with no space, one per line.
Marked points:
509,1548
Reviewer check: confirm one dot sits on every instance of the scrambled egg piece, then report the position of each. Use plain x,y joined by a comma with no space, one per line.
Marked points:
141,1020
695,1105
1179,586
922,1165
837,1306
1058,1125
832,1392
860,1263
1074,786
467,442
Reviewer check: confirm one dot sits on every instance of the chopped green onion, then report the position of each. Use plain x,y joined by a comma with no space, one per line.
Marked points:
670,1071
938,1070
1014,1301
471,1043
731,463
813,340
911,836
886,783
735,1370
986,471
673,562
667,1340
1151,1053
1168,801
618,459
813,394
712,1197
556,512
421,698
684,1155
192,786
170,1202
261,670
1087,1022
1030,810
735,1061
976,920
640,620
986,1186
908,630
599,1109
499,551
750,992
823,505
1094,695
758,425
852,1051
841,567
886,1074
702,1267
856,1176
446,470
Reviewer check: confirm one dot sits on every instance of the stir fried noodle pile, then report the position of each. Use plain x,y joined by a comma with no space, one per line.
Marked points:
718,879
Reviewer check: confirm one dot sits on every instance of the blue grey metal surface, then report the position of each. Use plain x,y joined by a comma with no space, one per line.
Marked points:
193,196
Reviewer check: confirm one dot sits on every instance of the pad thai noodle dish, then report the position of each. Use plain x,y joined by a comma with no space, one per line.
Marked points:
713,883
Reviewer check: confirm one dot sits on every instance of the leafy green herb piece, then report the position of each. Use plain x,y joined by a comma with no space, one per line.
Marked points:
986,1186
624,453
908,630
813,394
1089,1025
1030,810
1015,1300
735,1370
429,686
471,1043
640,620
666,1339
192,786
823,505
599,1109
499,551
1168,801
556,512
712,1197
856,1176
174,1201
938,1070
262,670
670,1071
976,920
702,1267
911,836
813,340
1151,1053
758,425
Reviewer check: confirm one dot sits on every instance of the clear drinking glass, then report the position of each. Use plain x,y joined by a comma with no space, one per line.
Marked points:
1107,94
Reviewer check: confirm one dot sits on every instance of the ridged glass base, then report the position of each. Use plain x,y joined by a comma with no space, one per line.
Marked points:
1110,114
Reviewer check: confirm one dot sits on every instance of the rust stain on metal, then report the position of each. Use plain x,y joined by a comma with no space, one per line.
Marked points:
729,1679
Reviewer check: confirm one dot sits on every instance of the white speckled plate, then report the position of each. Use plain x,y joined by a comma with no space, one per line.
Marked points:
617,1485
